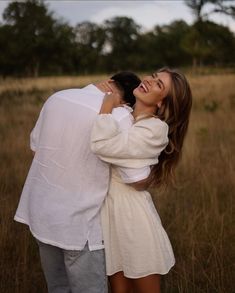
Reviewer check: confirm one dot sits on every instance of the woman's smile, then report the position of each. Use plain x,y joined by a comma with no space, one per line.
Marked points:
143,88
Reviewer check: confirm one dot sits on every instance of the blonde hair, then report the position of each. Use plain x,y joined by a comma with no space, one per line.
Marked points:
175,111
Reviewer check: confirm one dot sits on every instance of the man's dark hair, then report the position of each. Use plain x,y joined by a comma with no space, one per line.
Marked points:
128,81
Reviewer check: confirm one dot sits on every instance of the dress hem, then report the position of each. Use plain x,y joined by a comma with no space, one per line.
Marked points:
141,275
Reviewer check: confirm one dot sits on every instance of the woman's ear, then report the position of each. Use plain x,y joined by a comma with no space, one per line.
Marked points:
159,104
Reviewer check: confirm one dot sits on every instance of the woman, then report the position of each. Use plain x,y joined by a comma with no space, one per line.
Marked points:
137,248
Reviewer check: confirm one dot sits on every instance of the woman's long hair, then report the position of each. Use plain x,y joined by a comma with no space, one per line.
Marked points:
175,111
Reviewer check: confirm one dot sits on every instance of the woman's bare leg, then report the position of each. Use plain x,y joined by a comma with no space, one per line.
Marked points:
120,284
150,284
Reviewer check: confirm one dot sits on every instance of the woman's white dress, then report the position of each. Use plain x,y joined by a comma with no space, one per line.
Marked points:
134,238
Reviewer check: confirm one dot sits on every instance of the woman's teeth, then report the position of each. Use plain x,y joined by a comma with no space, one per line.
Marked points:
144,87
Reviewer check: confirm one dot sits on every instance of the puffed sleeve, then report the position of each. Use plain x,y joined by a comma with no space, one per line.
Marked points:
136,147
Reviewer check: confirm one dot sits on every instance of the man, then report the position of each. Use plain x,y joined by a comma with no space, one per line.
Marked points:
67,184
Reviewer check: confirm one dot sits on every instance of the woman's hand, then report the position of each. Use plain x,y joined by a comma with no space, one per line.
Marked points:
114,98
106,86
111,100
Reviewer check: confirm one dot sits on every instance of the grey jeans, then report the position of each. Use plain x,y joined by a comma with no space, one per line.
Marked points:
73,271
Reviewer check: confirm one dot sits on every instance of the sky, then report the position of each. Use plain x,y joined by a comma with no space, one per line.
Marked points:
145,13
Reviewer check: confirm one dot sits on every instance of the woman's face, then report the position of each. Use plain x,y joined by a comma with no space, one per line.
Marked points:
153,89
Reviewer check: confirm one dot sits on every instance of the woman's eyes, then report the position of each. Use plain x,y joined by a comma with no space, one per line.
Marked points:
158,83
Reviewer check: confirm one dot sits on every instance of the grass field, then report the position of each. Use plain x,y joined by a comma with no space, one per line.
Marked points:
198,215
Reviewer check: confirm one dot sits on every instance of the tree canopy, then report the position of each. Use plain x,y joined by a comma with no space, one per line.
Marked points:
216,6
33,42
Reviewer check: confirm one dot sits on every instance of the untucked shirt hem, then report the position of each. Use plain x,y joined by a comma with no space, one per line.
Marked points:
62,246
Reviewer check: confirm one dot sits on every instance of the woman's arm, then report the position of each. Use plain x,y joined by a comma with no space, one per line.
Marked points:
136,147
144,140
111,100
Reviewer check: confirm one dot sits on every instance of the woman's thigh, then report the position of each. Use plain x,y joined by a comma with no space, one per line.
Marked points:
150,284
120,284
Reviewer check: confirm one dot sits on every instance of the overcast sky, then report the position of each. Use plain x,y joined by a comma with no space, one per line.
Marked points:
145,13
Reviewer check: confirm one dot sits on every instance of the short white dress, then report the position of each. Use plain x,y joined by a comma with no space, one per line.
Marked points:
134,238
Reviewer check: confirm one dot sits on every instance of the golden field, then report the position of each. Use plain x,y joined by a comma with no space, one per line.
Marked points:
197,214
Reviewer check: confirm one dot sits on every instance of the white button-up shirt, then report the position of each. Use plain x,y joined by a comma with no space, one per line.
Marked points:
67,183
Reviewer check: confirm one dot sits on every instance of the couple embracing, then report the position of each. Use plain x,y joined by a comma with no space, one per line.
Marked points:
96,150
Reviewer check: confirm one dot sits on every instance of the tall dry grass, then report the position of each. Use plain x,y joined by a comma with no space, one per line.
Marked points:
198,214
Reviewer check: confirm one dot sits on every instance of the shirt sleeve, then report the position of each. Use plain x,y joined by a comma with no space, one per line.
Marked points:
136,147
35,133
131,175
125,121
123,117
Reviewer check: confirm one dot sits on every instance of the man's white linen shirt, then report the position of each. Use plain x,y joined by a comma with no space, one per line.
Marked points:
67,183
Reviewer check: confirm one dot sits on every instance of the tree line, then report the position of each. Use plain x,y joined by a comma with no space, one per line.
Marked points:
33,42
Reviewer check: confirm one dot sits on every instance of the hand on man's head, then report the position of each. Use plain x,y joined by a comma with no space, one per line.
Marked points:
106,86
115,98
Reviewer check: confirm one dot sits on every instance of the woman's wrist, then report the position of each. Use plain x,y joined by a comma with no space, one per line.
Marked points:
107,106
109,103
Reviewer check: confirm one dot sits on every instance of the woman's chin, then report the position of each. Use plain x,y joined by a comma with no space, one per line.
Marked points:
137,92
